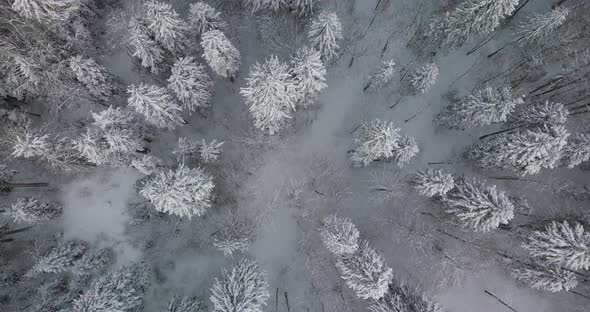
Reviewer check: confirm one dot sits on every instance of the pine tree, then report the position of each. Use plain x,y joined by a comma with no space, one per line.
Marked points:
472,18
220,53
304,7
145,48
30,143
340,235
405,149
404,298
31,210
541,113
184,304
183,192
169,30
365,273
191,84
243,288
202,17
375,140
259,5
423,78
271,94
147,164
60,258
324,33
210,152
91,262
116,291
561,244
432,183
524,152
483,107
46,11
93,76
544,277
236,235
383,76
478,207
577,150
156,105
539,26
309,74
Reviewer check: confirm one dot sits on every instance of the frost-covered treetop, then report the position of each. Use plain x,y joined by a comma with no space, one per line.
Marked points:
146,49
183,192
309,75
577,150
220,53
423,78
46,11
431,182
258,5
375,140
243,288
401,297
340,235
365,272
156,105
270,93
541,113
146,165
545,277
406,148
191,84
561,244
31,210
477,206
383,75
92,75
324,33
202,17
539,26
169,30
60,258
210,152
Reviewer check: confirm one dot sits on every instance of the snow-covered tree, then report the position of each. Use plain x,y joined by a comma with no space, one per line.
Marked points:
235,235
432,183
374,140
340,235
156,105
481,108
30,142
94,77
561,244
472,18
405,149
526,151
540,26
544,277
202,17
304,7
117,291
309,74
243,288
60,258
46,11
401,297
91,262
577,150
271,94
210,152
31,210
477,206
169,30
365,272
258,5
383,76
191,84
184,304
540,113
183,192
324,33
220,53
147,164
149,52
424,77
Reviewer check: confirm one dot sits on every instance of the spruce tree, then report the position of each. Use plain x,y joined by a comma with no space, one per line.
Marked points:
340,235
423,78
220,53
309,75
243,288
546,277
202,17
156,105
432,183
191,84
324,33
94,77
31,210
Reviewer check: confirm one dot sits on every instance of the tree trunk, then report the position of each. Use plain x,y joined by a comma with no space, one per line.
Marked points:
23,184
498,132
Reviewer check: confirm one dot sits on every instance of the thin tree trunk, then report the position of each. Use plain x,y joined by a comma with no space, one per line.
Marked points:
17,231
498,132
500,300
579,294
287,302
505,46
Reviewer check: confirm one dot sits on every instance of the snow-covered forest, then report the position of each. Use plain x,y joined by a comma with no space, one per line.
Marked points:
294,155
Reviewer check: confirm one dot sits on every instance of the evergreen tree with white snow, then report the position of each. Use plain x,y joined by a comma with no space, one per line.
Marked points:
374,140
423,78
46,11
477,206
259,5
31,210
577,150
561,244
539,114
91,262
324,33
432,183
309,74
405,149
382,77
365,272
220,53
210,152
147,164
271,94
481,108
191,84
60,258
402,298
169,30
235,235
183,192
202,17
157,105
150,53
525,151
340,235
539,26
184,304
243,288
94,77
544,277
